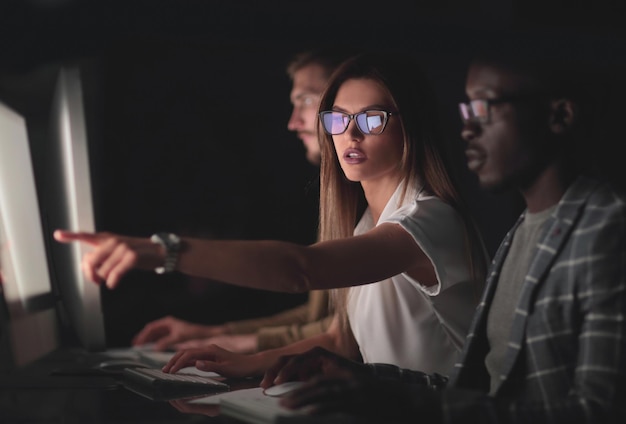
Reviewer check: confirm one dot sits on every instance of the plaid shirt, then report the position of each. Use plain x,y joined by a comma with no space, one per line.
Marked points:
566,357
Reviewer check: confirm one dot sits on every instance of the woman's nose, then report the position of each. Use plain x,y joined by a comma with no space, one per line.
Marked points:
470,130
353,131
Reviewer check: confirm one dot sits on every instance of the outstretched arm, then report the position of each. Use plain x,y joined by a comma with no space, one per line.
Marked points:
384,251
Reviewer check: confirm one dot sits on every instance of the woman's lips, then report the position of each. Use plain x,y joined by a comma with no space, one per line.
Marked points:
354,156
475,159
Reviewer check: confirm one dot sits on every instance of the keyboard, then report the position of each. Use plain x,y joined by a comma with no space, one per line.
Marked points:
156,384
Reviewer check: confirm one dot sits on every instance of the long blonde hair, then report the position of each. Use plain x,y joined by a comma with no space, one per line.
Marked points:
424,160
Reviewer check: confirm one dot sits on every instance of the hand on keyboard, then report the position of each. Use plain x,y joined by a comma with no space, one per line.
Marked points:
157,379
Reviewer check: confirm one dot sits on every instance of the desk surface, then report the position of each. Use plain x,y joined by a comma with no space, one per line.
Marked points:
69,402
50,405
35,394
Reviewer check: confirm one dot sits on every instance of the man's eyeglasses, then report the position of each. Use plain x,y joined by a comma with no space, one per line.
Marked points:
369,122
479,110
306,100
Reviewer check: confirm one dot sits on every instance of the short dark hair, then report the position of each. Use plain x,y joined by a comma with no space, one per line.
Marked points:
328,59
553,61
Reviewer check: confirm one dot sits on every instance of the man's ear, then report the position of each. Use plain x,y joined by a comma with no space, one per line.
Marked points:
563,115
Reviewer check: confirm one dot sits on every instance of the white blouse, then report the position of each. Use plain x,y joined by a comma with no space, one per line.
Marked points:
398,320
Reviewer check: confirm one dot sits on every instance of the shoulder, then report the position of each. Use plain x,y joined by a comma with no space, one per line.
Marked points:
426,212
598,205
436,226
608,198
595,193
594,213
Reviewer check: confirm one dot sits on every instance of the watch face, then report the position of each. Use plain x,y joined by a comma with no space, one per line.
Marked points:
171,244
167,240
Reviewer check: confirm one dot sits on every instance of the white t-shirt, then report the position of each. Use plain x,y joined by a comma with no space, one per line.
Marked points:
399,321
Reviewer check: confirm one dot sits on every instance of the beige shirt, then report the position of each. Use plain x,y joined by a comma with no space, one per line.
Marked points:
289,326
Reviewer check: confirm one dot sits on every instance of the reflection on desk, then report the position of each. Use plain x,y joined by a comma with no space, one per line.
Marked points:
85,406
117,405
252,406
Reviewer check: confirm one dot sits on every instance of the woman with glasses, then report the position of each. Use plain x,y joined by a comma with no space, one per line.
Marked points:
396,241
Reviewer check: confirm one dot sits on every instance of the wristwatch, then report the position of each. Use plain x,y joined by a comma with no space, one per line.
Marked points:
171,244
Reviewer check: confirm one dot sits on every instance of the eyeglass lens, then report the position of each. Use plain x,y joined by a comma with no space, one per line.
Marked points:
369,122
475,110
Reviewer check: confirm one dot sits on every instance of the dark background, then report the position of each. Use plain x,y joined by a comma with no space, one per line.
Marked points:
187,105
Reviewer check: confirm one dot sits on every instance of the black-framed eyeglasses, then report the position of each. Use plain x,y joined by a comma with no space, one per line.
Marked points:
479,110
369,122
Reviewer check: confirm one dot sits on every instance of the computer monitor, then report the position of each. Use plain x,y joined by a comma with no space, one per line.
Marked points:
68,204
28,315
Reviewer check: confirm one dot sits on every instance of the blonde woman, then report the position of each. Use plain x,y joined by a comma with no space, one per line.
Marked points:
396,241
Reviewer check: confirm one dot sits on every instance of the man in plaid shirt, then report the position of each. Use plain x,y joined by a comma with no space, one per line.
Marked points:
548,340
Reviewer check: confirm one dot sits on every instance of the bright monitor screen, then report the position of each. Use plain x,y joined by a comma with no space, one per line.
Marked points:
30,322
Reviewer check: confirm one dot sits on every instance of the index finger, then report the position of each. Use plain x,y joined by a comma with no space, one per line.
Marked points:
68,236
272,372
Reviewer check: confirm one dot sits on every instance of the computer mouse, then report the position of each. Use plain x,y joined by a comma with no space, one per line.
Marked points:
283,388
119,364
